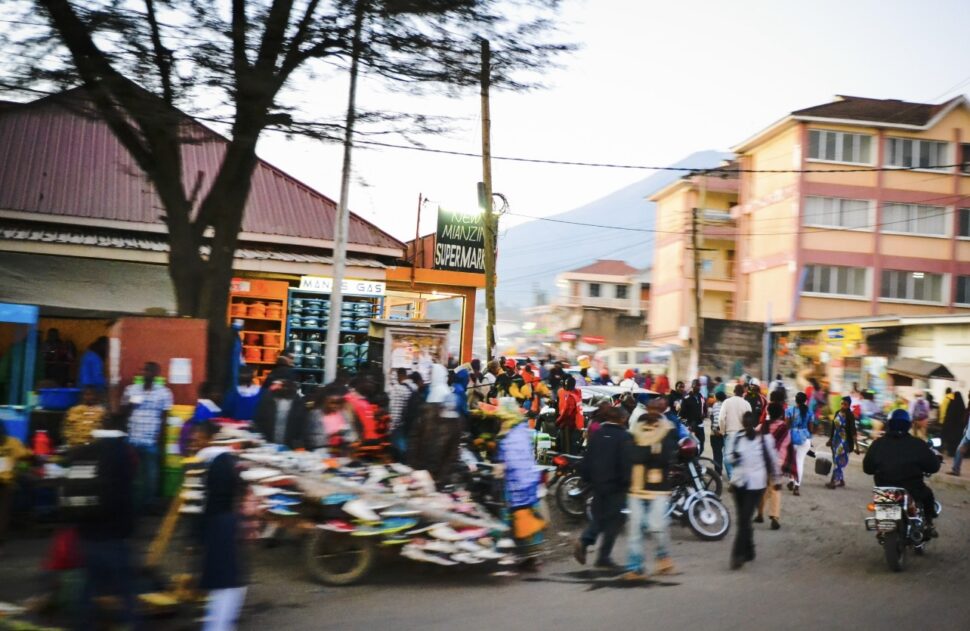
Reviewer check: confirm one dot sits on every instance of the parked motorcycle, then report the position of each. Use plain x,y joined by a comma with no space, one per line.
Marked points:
571,491
899,522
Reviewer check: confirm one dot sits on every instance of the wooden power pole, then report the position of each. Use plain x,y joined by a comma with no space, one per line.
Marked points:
698,296
488,222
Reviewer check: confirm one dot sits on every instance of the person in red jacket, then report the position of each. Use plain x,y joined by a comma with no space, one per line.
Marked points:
366,412
570,420
662,384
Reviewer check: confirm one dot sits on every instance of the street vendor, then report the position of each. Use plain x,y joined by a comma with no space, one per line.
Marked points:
522,480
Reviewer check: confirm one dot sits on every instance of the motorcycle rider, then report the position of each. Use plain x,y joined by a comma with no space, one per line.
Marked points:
899,459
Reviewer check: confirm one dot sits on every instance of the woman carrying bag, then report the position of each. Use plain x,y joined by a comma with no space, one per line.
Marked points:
754,464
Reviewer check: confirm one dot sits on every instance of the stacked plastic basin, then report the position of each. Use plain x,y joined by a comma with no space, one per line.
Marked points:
172,465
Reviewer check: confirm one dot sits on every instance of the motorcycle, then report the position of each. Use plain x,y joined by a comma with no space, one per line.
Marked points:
899,522
571,491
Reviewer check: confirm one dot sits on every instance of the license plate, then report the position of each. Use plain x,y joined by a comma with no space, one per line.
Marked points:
888,512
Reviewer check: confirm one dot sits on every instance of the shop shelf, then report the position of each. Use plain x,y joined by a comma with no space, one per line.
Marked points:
255,318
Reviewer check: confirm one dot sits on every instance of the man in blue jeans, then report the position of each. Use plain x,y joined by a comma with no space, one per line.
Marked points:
147,403
652,454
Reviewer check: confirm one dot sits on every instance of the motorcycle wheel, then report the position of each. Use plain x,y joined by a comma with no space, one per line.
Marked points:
711,478
895,549
335,559
709,518
571,496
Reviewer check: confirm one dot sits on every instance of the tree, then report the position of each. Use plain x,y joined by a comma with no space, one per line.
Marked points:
141,63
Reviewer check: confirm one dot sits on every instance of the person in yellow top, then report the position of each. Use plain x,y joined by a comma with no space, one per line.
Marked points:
11,451
945,403
84,418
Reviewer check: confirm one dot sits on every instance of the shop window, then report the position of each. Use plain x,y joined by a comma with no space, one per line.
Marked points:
835,280
914,286
594,290
622,292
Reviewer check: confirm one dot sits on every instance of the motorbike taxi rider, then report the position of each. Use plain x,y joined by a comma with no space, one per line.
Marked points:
900,459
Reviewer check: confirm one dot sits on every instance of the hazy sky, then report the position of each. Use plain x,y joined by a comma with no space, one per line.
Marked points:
652,82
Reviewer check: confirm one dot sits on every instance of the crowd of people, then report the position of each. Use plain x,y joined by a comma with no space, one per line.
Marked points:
759,440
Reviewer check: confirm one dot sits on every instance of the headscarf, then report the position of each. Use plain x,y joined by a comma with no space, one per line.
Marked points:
438,389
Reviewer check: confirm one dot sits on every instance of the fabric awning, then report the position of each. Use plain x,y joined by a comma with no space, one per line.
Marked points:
919,369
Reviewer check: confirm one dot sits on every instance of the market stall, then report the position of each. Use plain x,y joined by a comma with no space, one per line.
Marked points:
18,326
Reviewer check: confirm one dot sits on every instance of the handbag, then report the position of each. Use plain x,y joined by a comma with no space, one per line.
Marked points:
823,464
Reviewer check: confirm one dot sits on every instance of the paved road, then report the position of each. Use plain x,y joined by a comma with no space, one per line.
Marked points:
821,571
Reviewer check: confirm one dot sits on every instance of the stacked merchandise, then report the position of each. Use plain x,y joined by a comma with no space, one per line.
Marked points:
172,464
306,333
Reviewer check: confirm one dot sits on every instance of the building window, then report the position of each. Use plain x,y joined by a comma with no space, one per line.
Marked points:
914,219
837,212
622,357
916,154
836,280
622,292
837,146
963,290
963,216
916,286
594,290
965,158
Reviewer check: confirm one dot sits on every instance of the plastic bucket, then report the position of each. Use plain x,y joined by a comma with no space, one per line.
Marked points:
59,398
16,420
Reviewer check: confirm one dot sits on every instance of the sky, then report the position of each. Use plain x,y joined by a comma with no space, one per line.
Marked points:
651,82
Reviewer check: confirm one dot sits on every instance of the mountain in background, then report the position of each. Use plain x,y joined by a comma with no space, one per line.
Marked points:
530,255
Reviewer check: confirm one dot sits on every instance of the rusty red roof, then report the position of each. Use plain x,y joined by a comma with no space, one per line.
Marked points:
607,267
59,160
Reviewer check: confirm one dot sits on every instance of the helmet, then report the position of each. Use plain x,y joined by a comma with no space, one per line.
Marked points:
899,421
688,448
754,382
510,363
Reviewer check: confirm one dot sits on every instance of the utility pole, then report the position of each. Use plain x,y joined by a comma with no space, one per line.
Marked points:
342,224
695,236
488,218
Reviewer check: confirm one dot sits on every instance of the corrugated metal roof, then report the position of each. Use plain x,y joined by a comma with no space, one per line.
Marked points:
10,231
61,160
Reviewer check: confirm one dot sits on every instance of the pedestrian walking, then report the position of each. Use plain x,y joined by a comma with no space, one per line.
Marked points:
281,416
570,420
730,420
652,453
754,466
777,428
693,408
757,401
222,575
842,442
147,404
717,436
801,426
517,455
102,478
606,468
954,424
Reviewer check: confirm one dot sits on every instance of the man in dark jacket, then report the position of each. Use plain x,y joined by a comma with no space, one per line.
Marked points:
693,409
606,468
100,492
652,454
900,459
281,416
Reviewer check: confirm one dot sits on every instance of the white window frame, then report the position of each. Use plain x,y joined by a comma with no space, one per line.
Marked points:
944,289
957,293
867,284
839,158
870,214
893,228
946,159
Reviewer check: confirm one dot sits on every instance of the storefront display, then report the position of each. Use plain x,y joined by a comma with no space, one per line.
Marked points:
309,317
261,305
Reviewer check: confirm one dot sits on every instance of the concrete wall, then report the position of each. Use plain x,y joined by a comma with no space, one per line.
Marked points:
618,329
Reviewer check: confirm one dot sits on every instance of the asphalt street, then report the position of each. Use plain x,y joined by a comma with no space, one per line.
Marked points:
821,570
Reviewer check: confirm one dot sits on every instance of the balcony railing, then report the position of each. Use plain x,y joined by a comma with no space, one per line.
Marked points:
717,270
599,303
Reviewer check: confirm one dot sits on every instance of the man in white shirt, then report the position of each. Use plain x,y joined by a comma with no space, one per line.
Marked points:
731,423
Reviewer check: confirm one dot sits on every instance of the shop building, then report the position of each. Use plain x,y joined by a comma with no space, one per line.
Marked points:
81,238
837,231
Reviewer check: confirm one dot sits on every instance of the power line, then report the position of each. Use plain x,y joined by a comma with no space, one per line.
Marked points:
610,165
